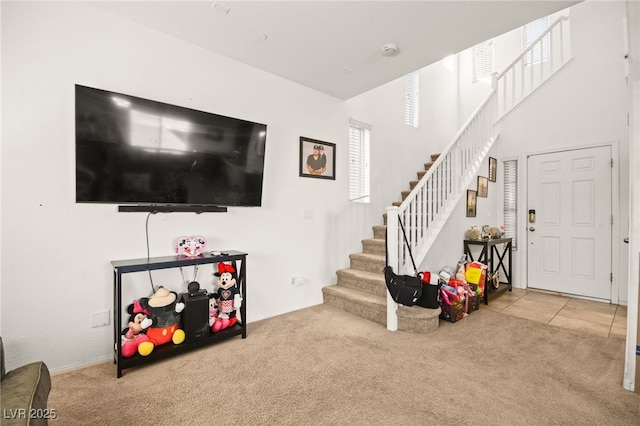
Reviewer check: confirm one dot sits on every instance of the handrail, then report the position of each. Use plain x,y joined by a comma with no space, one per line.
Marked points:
522,78
431,202
535,42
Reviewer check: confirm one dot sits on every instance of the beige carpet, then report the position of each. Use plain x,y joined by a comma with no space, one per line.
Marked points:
321,366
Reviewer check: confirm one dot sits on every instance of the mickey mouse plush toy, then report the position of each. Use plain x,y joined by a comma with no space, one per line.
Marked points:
164,311
228,297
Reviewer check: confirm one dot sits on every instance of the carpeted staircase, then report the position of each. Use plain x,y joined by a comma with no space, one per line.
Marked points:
361,289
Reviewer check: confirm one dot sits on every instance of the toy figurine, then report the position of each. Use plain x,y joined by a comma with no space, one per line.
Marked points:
164,310
134,335
227,296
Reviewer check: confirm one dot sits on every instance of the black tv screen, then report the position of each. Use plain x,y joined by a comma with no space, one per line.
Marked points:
131,150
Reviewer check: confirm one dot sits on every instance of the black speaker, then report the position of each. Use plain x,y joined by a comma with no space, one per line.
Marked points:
195,316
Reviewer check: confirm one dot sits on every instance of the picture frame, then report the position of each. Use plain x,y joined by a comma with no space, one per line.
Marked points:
493,169
483,186
471,203
318,154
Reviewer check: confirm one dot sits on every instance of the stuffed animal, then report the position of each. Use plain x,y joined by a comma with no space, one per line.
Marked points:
164,310
447,272
227,297
191,246
460,275
213,309
134,335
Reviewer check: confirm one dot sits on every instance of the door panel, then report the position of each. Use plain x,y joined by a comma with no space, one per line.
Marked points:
569,244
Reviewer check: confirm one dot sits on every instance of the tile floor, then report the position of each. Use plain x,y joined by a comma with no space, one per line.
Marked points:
599,318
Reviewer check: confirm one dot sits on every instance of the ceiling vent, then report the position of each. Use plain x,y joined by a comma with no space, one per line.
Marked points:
390,49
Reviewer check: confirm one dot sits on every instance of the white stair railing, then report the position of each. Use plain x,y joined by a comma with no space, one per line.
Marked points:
431,202
535,65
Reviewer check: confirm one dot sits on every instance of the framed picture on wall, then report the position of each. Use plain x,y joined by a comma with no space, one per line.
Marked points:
493,169
471,203
317,159
483,186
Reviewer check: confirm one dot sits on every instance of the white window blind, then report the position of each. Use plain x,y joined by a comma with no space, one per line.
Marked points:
411,104
483,61
530,33
510,203
359,173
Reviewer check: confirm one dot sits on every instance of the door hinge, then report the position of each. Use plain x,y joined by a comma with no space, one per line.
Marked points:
611,277
612,219
612,163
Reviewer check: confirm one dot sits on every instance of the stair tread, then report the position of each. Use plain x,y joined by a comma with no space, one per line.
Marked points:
355,295
377,241
417,312
374,257
362,274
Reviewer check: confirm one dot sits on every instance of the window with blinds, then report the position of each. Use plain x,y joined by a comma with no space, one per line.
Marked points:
411,86
510,202
359,171
483,61
530,33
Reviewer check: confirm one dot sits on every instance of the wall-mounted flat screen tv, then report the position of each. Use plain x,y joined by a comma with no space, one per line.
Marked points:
131,150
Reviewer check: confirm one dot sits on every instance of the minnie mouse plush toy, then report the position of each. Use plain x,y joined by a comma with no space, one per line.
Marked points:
135,334
227,296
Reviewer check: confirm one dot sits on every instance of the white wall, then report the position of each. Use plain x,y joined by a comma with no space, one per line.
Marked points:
61,273
585,104
56,254
399,151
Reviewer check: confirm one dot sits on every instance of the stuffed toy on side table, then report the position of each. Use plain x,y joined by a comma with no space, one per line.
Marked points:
135,334
227,296
165,328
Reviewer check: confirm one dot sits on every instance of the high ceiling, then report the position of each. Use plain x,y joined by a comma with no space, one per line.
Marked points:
334,47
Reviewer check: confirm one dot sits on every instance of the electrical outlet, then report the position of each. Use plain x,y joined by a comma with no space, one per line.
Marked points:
307,213
297,281
100,318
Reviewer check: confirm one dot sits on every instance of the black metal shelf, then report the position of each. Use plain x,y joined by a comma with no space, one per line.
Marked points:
121,267
488,256
169,349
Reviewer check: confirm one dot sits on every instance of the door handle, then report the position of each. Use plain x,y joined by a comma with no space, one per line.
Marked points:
532,229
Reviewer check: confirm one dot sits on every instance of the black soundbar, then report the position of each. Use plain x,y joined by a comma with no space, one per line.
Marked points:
152,208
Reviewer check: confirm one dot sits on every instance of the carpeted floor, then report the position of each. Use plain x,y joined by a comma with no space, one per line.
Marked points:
321,366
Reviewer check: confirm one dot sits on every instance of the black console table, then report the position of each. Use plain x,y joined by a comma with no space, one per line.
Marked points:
121,267
493,254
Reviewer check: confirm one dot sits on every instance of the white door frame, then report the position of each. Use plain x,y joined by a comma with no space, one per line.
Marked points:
522,233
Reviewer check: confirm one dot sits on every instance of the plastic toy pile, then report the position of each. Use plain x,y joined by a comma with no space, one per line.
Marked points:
462,289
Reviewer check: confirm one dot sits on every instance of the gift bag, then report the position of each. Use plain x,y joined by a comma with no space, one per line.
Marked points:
476,273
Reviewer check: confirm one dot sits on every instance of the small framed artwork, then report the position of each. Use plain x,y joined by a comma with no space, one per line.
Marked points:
471,203
493,169
483,186
317,159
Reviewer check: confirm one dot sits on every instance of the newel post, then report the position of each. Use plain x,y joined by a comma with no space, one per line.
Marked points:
392,260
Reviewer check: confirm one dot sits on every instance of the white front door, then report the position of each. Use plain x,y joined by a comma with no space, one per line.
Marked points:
569,244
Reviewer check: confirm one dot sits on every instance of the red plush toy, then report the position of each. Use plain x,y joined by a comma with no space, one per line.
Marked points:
164,309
